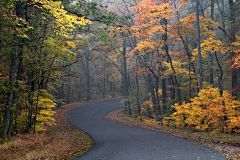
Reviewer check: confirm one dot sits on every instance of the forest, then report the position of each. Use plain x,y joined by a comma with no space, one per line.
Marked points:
175,62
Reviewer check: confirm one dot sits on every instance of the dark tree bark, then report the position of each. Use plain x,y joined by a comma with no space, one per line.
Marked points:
80,91
69,88
170,61
12,78
164,96
211,55
220,75
172,89
164,89
32,85
138,101
148,115
199,48
125,79
87,74
222,10
138,94
164,92
154,100
232,39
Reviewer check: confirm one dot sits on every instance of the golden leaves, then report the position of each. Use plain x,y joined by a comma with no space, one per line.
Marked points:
207,112
64,22
177,65
210,45
43,106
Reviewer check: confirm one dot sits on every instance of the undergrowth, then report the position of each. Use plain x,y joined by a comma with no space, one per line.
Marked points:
61,141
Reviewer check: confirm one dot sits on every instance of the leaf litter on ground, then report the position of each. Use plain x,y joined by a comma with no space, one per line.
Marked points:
61,141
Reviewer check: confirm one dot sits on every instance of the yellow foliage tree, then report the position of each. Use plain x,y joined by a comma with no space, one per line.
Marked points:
43,112
209,112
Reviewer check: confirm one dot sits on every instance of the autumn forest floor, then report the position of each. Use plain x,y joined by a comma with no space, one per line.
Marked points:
62,141
226,144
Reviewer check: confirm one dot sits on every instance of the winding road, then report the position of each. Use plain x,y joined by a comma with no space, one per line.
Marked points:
115,141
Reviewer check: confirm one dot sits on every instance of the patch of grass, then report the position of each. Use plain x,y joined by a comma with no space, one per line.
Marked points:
62,141
226,144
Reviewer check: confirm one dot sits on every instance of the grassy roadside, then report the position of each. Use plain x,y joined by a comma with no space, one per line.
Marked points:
226,144
62,141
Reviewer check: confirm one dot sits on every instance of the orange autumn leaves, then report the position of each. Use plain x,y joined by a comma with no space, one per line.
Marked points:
149,18
149,14
236,51
149,10
209,111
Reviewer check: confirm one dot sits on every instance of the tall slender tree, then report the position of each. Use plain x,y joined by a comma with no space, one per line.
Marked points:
199,47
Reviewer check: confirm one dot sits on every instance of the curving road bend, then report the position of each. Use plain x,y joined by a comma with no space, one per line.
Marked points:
115,141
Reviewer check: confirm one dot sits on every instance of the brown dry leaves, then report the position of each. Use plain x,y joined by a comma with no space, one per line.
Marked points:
62,141
226,144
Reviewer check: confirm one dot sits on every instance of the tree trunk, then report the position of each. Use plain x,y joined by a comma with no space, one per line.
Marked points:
211,55
80,91
199,48
190,82
154,100
12,78
233,39
68,95
172,89
125,79
13,67
164,89
32,84
220,75
164,96
147,95
87,74
138,101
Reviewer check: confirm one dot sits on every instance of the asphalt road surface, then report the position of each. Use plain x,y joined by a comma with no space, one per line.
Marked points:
115,141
